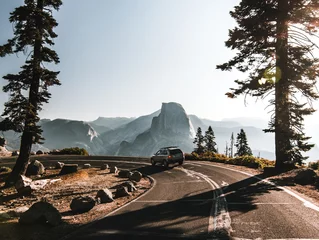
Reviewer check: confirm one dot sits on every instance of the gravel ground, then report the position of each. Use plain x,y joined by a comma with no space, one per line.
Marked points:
60,193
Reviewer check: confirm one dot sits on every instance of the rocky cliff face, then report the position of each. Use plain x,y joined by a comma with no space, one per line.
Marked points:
61,133
172,120
171,127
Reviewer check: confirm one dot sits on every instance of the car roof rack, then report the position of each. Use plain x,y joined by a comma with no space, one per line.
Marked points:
169,147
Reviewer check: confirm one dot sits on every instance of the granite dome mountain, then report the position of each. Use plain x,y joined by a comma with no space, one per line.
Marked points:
142,136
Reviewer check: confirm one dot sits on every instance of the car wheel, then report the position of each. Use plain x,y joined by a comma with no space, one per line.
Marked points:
166,165
153,162
180,162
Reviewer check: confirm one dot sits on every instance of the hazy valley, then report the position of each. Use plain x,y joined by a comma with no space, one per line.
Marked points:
142,136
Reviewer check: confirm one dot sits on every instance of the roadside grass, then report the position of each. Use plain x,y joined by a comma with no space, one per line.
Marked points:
72,151
247,161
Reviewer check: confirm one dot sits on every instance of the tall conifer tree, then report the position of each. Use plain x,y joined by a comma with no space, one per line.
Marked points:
209,139
274,40
199,141
28,89
242,144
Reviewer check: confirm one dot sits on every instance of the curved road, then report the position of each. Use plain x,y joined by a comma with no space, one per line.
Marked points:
203,201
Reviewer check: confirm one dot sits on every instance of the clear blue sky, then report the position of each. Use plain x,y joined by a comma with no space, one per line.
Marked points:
126,57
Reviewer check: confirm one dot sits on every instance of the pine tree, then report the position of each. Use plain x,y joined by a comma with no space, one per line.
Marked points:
274,39
242,144
28,89
199,141
231,155
210,140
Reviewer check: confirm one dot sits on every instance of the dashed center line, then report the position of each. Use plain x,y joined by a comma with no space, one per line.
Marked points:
219,216
264,203
194,181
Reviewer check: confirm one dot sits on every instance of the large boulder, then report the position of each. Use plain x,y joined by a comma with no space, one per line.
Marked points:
2,142
69,168
23,185
105,196
113,169
87,166
130,186
136,176
124,173
104,166
35,168
305,176
41,212
121,192
82,204
59,165
15,153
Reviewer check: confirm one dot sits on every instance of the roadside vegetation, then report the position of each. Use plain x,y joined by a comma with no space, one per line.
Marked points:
71,151
206,150
246,160
314,165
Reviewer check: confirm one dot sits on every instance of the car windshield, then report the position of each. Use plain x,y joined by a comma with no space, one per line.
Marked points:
175,151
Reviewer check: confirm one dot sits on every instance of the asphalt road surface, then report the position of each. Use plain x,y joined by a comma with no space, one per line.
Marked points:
203,201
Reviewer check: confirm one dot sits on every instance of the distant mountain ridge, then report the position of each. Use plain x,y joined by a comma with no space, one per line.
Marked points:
111,123
142,136
171,127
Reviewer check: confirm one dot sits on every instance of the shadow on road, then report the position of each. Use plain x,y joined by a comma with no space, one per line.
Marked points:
242,195
149,170
170,220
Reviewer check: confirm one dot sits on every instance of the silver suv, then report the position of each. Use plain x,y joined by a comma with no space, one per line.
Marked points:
168,155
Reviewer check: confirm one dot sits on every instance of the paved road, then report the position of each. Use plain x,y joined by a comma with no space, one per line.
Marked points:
204,201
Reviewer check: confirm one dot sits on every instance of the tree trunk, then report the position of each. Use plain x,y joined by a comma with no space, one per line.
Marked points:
232,145
282,124
31,116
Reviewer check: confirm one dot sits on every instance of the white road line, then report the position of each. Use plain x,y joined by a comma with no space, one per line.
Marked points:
242,203
304,201
194,181
188,173
179,200
219,217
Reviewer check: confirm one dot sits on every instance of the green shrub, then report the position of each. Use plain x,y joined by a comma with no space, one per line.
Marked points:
74,151
314,165
192,156
221,158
